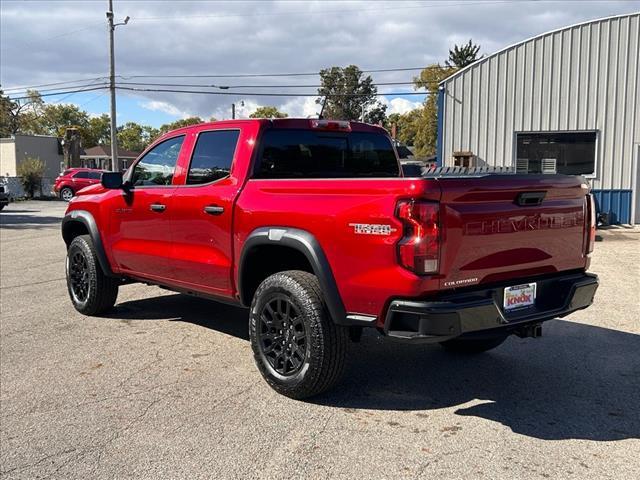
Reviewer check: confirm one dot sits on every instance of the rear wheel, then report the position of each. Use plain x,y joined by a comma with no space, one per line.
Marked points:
66,194
472,345
91,291
297,347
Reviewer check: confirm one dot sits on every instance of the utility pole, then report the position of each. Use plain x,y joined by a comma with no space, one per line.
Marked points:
233,109
112,89
112,86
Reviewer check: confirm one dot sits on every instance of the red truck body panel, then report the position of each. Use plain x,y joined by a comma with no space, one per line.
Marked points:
485,236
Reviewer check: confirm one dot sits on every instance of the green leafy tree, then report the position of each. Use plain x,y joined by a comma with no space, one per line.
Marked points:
97,131
30,171
426,124
346,94
406,125
17,116
183,122
268,112
132,136
464,55
7,120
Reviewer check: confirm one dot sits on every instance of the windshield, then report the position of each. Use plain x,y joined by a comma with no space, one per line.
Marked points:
319,154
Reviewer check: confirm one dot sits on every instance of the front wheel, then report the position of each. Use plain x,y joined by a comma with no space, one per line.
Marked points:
471,345
297,347
66,194
91,291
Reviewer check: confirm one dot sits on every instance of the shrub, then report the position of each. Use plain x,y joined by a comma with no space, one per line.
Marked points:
30,171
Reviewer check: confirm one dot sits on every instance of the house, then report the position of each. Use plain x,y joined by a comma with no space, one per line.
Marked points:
100,157
565,101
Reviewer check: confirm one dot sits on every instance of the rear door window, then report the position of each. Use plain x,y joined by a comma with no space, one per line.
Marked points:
95,175
212,156
311,154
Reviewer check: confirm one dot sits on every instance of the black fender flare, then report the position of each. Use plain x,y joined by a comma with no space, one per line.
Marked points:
307,244
86,218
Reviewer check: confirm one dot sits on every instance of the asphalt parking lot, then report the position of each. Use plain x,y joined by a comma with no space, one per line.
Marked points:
165,387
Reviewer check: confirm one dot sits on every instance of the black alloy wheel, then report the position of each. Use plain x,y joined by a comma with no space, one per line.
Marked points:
282,336
79,276
92,292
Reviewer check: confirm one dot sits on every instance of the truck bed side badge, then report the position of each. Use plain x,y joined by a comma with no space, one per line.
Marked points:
372,229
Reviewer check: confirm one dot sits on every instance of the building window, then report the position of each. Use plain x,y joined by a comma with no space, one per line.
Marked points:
569,153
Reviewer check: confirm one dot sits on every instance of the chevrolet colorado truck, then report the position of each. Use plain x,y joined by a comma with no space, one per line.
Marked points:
312,226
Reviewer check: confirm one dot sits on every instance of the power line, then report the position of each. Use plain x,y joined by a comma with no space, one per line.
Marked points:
264,94
228,87
256,75
59,93
224,75
30,87
60,89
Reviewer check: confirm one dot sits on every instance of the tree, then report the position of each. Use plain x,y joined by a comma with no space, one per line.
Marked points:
346,94
429,79
268,112
406,125
464,55
183,122
131,136
30,171
98,131
15,116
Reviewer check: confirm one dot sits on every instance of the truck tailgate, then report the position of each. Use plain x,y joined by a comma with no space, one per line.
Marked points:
496,228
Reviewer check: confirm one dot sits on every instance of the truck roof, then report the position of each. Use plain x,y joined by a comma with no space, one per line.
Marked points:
292,123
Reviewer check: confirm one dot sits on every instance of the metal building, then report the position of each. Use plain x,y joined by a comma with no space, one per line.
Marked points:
567,101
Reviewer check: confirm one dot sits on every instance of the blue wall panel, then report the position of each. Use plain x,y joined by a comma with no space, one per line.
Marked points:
617,203
440,127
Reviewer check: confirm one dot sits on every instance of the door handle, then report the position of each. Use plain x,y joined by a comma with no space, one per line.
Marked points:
213,210
157,207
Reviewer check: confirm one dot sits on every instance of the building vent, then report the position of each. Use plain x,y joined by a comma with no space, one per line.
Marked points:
522,165
549,165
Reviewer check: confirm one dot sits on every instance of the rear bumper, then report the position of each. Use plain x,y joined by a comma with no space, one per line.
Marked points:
479,311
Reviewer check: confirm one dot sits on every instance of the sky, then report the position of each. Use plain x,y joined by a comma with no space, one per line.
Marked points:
60,41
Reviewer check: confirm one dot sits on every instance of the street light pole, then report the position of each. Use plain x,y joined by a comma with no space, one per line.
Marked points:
112,89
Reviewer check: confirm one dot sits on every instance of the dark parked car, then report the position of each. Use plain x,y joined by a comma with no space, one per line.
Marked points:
4,197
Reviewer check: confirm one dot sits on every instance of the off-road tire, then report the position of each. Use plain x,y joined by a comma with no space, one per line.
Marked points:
62,194
101,290
326,342
471,345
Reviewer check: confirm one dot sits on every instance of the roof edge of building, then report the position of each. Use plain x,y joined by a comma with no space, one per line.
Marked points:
535,37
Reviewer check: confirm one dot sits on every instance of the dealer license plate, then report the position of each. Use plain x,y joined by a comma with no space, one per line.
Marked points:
519,296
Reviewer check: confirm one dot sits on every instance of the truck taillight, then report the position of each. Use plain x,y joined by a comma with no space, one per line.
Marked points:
419,248
335,125
591,215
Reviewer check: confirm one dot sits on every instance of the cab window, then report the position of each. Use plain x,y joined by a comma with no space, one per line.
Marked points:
158,164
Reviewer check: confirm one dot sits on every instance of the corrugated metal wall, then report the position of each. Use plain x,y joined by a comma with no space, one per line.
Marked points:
584,77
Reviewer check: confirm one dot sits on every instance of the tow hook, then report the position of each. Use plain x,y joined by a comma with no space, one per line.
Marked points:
533,331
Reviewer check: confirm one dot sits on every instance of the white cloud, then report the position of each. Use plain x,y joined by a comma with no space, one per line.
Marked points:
400,105
164,107
301,107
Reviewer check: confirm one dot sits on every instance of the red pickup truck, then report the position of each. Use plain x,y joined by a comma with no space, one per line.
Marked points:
312,226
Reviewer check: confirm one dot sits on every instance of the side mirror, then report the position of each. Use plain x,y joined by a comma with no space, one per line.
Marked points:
112,180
